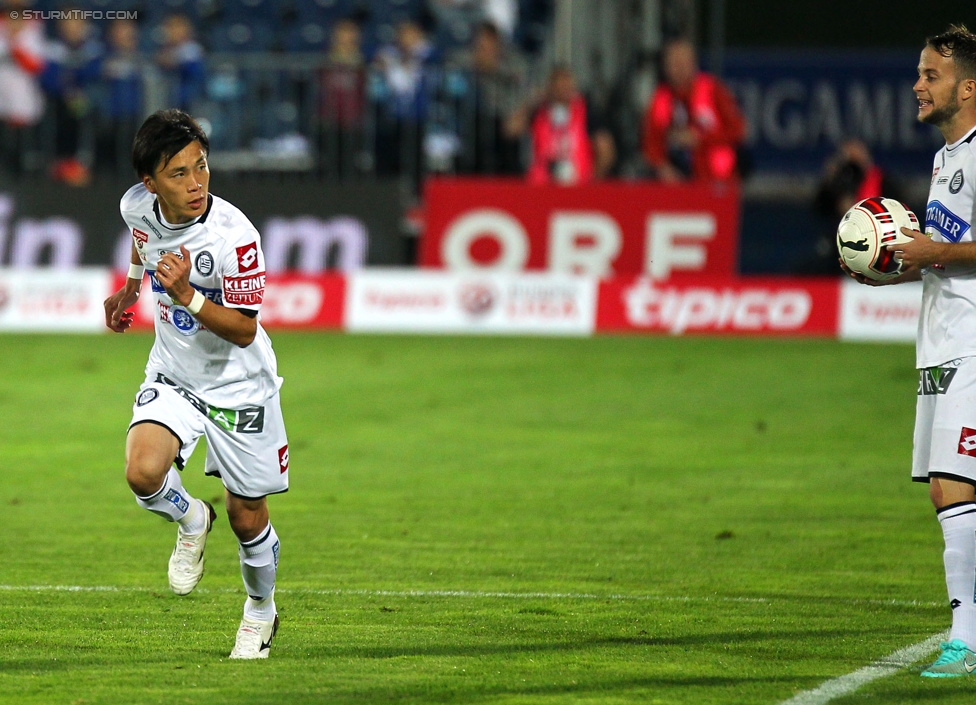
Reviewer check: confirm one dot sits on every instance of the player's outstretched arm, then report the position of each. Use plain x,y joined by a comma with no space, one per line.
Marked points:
922,251
117,317
173,273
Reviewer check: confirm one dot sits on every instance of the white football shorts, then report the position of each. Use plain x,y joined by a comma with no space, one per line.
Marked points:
945,422
246,448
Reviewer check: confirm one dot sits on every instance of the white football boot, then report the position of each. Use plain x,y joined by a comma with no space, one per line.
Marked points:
254,638
186,564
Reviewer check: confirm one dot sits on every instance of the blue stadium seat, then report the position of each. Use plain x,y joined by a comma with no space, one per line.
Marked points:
323,10
306,36
249,11
393,11
241,36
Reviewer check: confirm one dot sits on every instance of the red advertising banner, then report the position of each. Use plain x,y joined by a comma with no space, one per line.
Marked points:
537,303
732,306
289,302
604,230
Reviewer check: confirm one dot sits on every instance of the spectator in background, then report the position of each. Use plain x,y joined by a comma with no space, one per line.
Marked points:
460,19
181,60
74,59
406,71
692,127
850,175
122,102
342,100
569,146
489,90
21,99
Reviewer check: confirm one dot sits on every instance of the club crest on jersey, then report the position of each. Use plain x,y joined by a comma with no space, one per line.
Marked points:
146,396
180,319
184,322
943,221
204,263
247,257
955,186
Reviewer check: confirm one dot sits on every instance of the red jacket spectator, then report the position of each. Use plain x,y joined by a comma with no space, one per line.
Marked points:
21,60
561,149
692,127
561,145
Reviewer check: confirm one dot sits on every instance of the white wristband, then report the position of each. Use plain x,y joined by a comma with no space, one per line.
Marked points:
196,303
136,271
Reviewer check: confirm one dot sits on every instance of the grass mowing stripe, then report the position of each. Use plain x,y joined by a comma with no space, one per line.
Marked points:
477,594
882,668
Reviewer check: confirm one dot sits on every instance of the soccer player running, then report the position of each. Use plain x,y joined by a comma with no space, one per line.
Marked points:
945,260
211,371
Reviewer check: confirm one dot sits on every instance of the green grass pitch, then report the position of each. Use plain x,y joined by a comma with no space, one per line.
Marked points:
528,520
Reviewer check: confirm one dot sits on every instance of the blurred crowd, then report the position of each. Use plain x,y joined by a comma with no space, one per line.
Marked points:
422,86
79,87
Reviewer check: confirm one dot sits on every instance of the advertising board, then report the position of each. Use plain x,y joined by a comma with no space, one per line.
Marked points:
602,230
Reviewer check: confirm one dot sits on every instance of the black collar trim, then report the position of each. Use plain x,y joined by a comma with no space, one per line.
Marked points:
200,220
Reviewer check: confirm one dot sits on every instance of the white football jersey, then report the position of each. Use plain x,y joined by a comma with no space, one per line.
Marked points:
947,326
228,268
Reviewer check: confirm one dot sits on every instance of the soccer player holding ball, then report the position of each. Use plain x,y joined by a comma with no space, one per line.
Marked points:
944,258
211,371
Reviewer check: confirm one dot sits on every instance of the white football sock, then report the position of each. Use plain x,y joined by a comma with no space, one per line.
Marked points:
194,522
174,503
261,610
959,529
259,566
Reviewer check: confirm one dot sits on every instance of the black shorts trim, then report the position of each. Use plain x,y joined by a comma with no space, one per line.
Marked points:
178,460
216,473
255,499
956,478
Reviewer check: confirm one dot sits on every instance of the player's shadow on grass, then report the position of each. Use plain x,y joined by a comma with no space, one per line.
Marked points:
472,650
477,691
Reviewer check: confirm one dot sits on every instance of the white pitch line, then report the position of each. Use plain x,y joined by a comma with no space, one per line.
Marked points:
476,594
882,668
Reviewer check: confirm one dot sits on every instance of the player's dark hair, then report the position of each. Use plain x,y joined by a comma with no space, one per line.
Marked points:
162,136
958,43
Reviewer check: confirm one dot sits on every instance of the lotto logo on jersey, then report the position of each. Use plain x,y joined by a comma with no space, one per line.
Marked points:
283,458
244,291
247,257
967,442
